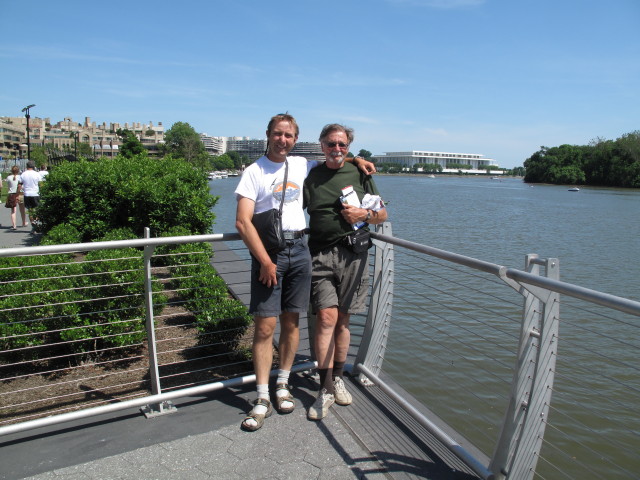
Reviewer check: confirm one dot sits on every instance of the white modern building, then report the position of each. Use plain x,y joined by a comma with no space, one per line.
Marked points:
478,163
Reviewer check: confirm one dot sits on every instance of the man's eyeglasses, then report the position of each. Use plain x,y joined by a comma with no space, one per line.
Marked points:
334,144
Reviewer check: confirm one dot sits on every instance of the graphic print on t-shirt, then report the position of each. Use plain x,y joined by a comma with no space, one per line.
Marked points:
291,194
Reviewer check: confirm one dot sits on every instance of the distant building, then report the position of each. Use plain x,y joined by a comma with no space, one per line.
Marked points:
12,136
309,150
251,147
214,146
102,138
408,159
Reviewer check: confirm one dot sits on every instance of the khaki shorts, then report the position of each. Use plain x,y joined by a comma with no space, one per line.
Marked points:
340,278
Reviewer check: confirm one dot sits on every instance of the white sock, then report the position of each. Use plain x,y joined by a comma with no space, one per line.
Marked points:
263,391
283,376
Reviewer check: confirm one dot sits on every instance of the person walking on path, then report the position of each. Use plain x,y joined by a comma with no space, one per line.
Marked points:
31,186
339,254
14,183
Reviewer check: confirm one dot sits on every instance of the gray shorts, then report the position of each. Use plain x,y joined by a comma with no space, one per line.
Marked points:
340,279
293,272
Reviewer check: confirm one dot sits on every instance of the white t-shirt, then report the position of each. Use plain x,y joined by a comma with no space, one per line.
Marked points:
13,184
31,183
262,182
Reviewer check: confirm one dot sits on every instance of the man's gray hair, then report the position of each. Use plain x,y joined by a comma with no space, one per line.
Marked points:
336,127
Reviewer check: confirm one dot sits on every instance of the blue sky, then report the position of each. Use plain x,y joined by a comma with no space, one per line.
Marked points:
495,77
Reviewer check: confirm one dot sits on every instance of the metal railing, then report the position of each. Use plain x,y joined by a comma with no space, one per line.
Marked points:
468,322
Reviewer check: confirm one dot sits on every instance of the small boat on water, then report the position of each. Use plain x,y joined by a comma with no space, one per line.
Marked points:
574,189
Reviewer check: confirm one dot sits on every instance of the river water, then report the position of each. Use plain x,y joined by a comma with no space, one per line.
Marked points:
595,233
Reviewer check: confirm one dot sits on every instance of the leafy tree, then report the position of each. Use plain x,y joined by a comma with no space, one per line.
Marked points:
39,155
365,154
237,159
603,162
223,162
131,146
182,141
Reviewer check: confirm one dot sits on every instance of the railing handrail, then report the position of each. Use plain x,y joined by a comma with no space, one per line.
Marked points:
599,298
113,244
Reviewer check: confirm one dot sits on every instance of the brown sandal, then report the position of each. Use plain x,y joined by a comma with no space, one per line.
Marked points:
286,398
257,417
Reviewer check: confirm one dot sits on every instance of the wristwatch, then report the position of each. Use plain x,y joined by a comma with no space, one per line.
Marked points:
368,216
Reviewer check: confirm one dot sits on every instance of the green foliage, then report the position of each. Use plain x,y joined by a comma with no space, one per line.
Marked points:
60,303
61,234
221,320
39,155
604,162
181,254
133,193
131,146
365,154
182,141
39,292
238,160
223,162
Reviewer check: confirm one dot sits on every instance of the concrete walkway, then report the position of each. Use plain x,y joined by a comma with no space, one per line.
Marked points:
21,237
201,440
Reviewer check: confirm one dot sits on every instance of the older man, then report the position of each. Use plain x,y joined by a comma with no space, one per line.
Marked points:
339,258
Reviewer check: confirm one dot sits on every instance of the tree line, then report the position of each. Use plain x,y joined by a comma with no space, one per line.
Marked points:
610,163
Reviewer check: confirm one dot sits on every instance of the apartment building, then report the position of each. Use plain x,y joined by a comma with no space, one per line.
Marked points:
64,134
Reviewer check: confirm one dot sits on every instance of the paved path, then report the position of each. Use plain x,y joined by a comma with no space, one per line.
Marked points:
22,237
201,440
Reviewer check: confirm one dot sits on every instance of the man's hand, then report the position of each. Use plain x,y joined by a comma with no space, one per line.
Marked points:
353,214
365,165
268,274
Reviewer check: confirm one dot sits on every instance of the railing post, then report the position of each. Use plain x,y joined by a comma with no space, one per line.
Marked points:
152,410
376,330
518,447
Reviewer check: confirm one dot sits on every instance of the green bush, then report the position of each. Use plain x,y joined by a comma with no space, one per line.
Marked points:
61,234
38,295
133,193
99,302
187,253
220,320
116,310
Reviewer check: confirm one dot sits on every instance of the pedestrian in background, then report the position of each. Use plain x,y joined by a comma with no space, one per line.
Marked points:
14,183
31,187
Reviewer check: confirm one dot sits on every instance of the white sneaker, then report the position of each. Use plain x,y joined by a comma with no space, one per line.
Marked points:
342,395
320,407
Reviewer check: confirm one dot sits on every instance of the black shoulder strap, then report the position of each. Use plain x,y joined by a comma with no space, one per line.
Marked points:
284,185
